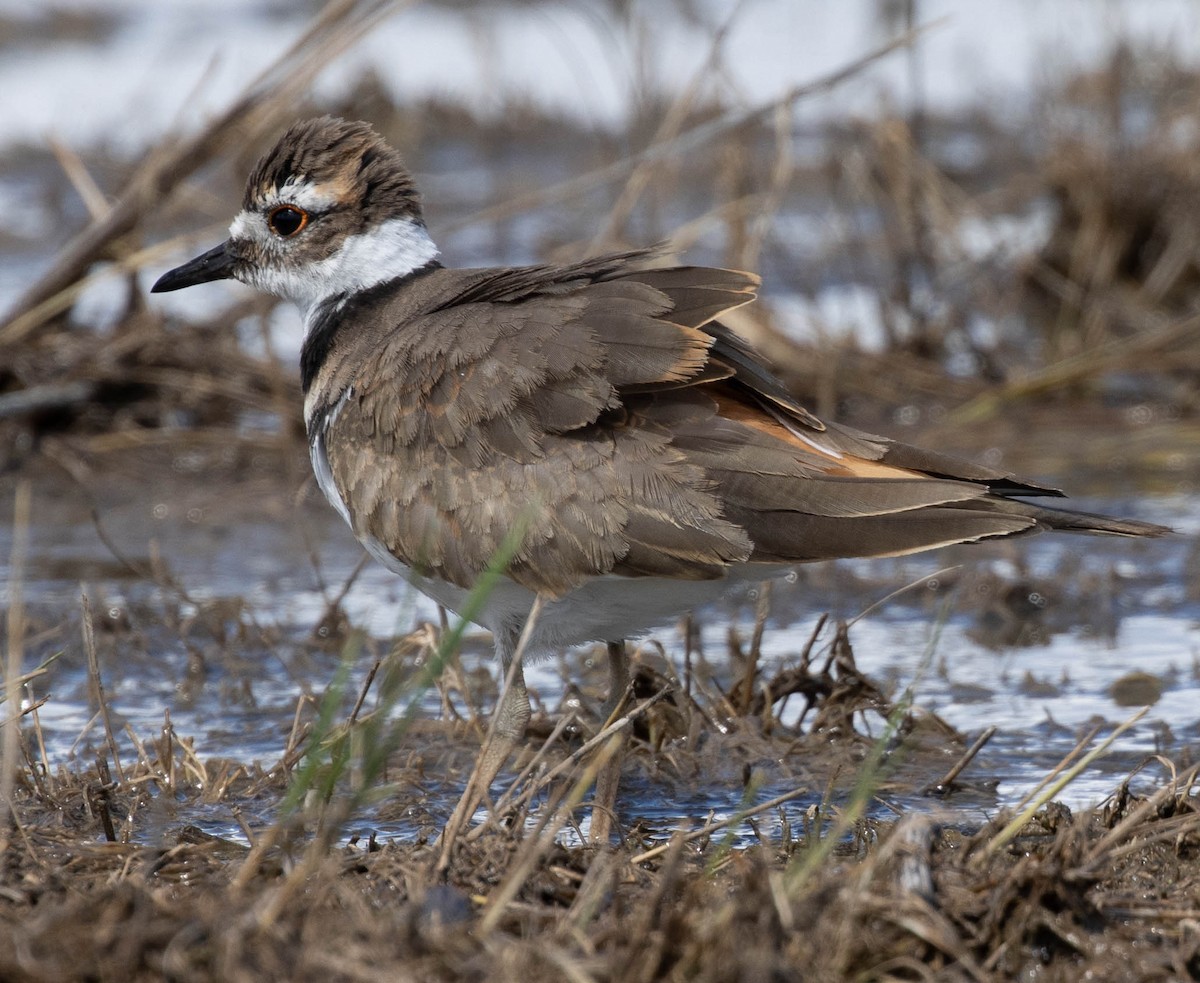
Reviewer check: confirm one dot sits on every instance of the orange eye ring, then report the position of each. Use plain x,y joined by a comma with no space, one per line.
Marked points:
287,221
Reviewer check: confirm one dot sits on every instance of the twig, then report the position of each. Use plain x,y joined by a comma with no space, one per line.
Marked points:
1096,360
1010,831
919,581
668,129
510,793
709,828
745,686
362,693
538,844
77,173
89,644
586,747
688,142
1130,822
942,787
266,101
1054,772
50,396
154,573
99,795
476,788
15,646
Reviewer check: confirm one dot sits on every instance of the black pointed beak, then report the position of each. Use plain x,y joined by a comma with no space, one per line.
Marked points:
216,264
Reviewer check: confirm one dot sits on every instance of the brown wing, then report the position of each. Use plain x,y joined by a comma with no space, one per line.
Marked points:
807,490
495,404
603,411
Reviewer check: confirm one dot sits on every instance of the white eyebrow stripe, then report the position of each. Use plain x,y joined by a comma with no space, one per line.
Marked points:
304,194
249,223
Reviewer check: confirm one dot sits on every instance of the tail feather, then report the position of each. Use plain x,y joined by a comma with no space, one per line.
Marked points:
1064,520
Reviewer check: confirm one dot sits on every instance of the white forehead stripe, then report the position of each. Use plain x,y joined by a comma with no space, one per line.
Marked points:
247,225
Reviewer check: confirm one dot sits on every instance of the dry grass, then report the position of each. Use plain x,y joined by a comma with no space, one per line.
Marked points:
98,878
85,896
1104,298
106,878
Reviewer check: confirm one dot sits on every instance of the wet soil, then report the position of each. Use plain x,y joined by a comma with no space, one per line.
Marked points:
234,762
152,835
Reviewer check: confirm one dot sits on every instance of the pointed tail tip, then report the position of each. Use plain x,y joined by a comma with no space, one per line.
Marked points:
1106,525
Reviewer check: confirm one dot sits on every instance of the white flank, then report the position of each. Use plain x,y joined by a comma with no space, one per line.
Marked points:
603,608
320,457
324,475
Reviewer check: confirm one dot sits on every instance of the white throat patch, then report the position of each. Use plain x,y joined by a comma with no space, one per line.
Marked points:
392,249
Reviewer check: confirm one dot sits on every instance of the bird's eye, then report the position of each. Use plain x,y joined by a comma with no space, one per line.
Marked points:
286,220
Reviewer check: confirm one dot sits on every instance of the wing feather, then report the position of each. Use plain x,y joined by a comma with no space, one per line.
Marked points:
604,409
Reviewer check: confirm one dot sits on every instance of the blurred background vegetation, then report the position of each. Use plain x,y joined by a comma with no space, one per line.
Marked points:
977,226
967,216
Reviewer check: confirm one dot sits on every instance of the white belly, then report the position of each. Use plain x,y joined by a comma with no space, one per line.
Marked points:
609,608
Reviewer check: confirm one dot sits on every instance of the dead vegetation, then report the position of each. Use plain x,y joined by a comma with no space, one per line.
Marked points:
106,872
101,878
834,893
977,309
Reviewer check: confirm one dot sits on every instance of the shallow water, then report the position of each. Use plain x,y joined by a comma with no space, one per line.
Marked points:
108,78
1030,637
231,660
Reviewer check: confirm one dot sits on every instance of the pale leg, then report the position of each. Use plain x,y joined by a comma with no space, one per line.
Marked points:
604,800
507,728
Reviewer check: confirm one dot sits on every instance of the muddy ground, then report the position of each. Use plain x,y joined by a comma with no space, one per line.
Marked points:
111,872
104,876
865,862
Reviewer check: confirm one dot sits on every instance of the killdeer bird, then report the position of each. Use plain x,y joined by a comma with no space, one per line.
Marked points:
594,424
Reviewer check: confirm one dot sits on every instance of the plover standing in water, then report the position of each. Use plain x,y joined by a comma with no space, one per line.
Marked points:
594,423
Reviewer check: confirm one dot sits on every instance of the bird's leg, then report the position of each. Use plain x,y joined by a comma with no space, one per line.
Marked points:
507,727
604,800
618,681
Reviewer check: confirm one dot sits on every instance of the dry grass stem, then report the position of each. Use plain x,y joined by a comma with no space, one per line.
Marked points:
264,104
1014,827
688,142
96,683
15,651
960,765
